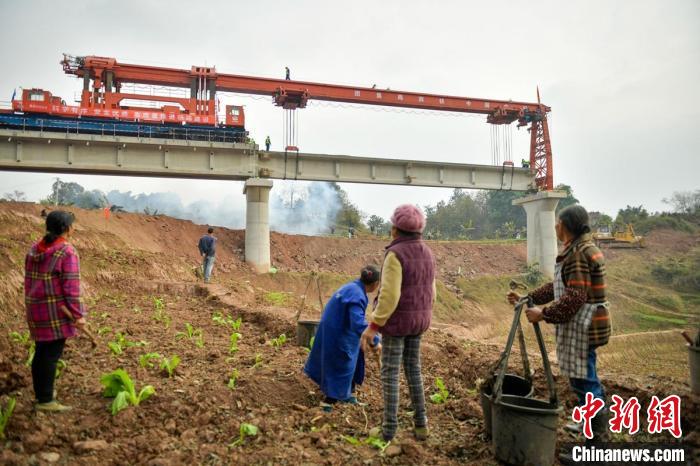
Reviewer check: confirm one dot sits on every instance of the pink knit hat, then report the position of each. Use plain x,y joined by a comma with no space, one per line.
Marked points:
408,218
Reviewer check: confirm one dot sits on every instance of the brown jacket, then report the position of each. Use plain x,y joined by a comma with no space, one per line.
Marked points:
583,273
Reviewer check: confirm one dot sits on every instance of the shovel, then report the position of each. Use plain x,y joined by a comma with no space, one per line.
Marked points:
87,332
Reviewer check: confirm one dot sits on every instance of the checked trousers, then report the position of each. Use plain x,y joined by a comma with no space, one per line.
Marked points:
395,351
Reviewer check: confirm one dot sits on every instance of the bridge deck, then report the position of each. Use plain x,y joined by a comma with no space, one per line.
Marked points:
132,156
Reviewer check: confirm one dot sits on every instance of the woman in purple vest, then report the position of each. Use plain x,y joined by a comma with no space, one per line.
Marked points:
402,313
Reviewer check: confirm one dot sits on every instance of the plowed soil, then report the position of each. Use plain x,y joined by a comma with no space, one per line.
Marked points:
194,416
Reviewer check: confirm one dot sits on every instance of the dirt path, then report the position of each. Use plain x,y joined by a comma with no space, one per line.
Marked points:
652,332
656,309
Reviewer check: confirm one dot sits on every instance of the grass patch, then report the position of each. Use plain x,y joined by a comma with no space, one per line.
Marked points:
277,298
486,289
670,301
648,321
657,353
447,304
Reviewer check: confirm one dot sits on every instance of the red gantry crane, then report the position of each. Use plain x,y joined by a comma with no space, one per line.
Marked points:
102,96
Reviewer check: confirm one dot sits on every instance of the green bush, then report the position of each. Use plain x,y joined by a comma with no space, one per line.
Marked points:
682,274
533,276
664,221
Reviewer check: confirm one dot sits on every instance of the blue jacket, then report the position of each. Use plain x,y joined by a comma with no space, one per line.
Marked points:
335,361
207,245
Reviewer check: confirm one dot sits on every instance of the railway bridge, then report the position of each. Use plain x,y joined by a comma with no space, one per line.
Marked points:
109,154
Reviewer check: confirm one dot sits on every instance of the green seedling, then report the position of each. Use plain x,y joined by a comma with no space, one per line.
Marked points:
115,348
104,330
104,315
5,414
160,315
258,361
60,367
146,359
24,340
235,324
118,385
246,430
279,341
21,338
136,310
351,440
192,333
378,443
233,379
219,318
442,394
30,354
158,304
311,344
125,343
235,336
164,319
225,320
121,343
169,365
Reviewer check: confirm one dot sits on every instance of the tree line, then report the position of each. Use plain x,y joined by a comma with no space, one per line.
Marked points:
465,215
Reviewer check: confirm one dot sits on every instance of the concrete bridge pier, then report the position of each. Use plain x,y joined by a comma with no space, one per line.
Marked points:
541,237
257,223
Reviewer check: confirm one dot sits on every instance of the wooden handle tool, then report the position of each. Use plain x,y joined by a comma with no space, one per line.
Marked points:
87,332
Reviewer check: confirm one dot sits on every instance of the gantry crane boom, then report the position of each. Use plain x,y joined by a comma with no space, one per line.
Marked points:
107,76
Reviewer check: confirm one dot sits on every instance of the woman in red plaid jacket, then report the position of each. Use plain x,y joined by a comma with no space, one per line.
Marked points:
51,290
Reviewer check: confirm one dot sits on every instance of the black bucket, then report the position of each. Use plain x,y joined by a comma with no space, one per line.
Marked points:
525,430
512,385
306,329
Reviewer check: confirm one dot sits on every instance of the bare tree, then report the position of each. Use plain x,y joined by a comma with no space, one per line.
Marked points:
15,196
684,202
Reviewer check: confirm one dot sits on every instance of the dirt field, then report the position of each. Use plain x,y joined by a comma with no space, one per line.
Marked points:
133,261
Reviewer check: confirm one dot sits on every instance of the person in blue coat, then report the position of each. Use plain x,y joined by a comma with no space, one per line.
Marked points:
336,362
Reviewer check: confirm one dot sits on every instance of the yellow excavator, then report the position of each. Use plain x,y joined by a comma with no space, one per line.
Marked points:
625,238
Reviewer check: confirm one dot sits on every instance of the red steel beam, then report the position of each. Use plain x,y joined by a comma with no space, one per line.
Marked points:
303,90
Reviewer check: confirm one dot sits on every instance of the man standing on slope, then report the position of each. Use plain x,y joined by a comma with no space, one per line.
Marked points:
207,249
402,313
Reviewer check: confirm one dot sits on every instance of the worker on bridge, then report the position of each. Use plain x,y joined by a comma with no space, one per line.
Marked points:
286,73
267,144
525,163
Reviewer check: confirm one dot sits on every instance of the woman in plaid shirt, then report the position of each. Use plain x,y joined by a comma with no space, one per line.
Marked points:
578,309
52,289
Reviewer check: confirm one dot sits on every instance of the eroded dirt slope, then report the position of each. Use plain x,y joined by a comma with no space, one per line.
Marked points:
132,259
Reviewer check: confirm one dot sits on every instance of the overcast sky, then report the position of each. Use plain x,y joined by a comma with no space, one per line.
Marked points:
622,79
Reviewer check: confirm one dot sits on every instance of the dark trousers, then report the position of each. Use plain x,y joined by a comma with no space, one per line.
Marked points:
44,364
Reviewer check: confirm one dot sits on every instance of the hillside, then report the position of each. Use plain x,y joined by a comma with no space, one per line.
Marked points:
138,274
